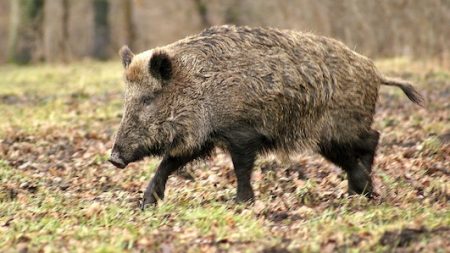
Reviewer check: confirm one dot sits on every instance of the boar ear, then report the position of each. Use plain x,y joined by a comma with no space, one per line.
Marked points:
126,55
160,65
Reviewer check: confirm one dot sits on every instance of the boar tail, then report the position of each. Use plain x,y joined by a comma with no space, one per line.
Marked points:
406,87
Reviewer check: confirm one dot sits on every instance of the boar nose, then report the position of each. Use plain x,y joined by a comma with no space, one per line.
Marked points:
116,160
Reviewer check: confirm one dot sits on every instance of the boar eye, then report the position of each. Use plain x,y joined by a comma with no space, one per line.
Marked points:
147,100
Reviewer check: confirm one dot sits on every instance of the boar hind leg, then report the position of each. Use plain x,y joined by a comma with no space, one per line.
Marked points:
156,187
364,149
356,158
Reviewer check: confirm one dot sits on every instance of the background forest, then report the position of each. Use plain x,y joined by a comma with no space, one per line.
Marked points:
65,30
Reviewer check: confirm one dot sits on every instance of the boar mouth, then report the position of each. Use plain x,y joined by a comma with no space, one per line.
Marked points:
117,163
117,160
140,153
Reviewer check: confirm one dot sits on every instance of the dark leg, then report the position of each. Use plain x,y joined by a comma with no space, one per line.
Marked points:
156,187
365,154
243,161
367,149
243,146
356,159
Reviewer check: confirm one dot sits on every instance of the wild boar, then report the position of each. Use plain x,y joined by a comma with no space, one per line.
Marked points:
250,91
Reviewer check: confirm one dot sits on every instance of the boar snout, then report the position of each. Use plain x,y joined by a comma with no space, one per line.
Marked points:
116,159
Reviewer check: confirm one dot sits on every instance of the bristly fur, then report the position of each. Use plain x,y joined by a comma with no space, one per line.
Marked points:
252,90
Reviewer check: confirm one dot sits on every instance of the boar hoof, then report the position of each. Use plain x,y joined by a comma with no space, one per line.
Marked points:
150,199
245,197
365,191
147,202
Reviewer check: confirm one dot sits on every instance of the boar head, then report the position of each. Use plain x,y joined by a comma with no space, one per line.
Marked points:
144,129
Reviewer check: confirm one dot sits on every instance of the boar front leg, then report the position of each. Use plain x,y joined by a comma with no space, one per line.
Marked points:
243,166
156,187
244,145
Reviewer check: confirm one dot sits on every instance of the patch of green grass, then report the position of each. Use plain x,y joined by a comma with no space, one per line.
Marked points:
52,80
49,215
99,226
35,96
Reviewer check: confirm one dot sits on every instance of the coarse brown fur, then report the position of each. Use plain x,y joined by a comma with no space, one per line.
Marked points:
250,90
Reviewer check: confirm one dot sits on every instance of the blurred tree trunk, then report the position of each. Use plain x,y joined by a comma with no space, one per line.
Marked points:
233,13
101,30
56,34
128,22
65,27
26,24
202,10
